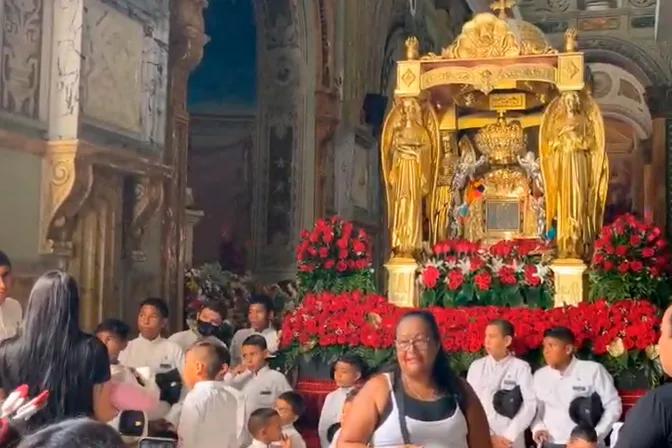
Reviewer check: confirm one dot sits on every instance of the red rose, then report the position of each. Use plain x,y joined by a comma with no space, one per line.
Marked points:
623,267
608,265
329,264
323,252
635,240
636,266
341,266
454,279
482,280
648,252
621,251
358,246
507,276
430,275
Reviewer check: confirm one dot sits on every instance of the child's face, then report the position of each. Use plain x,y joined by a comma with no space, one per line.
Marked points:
114,344
344,411
5,282
580,443
495,343
193,369
287,416
556,352
254,358
150,322
273,431
345,375
258,317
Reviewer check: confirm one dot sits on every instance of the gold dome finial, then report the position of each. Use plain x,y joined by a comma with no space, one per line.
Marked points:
412,48
501,142
502,6
570,40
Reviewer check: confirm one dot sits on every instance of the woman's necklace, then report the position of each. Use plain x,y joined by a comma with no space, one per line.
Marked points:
433,395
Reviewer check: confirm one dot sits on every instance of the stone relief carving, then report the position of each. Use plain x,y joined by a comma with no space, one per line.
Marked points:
147,200
21,53
112,62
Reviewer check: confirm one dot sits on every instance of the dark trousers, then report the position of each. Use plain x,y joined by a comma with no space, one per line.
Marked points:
553,445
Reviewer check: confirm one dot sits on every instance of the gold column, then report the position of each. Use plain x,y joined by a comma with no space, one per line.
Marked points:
187,38
659,100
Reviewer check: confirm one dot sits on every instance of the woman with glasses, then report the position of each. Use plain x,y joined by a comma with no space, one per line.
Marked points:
420,402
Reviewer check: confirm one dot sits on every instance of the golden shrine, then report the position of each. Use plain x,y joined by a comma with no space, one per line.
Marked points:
496,137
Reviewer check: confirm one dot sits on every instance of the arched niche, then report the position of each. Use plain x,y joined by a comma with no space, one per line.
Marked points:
283,160
629,126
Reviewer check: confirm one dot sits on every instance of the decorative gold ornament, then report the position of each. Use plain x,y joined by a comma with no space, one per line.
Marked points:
569,277
442,194
575,170
570,40
501,142
412,48
501,6
408,154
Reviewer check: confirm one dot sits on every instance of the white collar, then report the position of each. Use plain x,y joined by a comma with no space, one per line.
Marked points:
259,444
501,362
156,340
263,370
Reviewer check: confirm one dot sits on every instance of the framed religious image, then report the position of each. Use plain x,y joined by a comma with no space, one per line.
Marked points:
503,218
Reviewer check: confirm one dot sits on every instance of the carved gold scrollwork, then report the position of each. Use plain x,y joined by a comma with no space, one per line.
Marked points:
67,179
148,198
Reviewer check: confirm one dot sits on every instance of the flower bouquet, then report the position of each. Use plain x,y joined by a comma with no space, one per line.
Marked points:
510,272
631,259
325,325
334,256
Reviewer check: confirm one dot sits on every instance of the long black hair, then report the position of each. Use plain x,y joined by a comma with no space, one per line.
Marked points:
50,353
444,377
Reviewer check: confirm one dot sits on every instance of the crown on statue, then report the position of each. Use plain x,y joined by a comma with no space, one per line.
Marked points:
501,142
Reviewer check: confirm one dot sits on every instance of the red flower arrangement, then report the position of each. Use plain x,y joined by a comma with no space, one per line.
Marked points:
631,259
335,255
328,324
510,272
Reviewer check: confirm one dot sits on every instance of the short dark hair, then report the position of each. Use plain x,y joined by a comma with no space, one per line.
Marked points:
352,394
80,432
331,432
352,359
4,260
560,333
157,303
263,300
215,306
504,326
257,340
116,327
295,401
584,432
259,419
215,356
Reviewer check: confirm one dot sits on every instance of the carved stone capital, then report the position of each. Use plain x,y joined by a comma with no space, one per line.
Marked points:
659,100
148,198
187,33
326,114
67,179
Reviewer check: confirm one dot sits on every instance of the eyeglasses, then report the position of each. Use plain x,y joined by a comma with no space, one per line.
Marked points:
417,343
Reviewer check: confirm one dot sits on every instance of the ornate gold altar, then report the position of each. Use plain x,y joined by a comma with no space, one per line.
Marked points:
496,137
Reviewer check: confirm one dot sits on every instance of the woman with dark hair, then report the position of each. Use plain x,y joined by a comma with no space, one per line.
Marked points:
52,353
421,402
80,433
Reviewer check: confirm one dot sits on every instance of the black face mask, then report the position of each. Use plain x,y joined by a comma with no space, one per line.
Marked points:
206,329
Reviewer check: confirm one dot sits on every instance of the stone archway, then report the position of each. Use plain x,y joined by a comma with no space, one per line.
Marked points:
283,162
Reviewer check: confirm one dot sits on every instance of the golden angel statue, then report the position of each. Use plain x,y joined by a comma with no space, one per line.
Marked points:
407,155
442,194
575,170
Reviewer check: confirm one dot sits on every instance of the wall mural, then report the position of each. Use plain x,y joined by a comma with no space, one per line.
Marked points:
228,73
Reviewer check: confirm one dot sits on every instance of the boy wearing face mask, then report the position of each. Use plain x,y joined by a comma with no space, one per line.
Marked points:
208,323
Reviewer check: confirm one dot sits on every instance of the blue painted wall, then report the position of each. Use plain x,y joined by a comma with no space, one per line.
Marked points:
227,74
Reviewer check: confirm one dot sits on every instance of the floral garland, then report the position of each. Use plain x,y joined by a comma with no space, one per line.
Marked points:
334,256
510,272
622,335
631,259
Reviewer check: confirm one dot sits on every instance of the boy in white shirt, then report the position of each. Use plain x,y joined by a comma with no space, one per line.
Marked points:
500,374
260,313
11,314
258,382
210,411
266,429
209,321
290,406
162,356
563,380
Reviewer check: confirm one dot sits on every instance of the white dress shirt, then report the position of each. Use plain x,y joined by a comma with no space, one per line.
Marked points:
331,412
555,391
11,316
160,355
270,334
184,339
205,420
487,376
260,389
258,444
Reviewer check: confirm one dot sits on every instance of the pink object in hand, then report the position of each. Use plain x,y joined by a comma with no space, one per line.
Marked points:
133,397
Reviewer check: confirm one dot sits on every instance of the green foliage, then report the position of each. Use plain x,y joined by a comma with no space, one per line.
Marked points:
613,286
496,295
336,282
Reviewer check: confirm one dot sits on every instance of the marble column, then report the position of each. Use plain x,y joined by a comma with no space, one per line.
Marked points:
659,100
187,37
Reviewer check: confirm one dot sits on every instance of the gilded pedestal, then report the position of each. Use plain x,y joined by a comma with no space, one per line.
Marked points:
403,289
570,281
